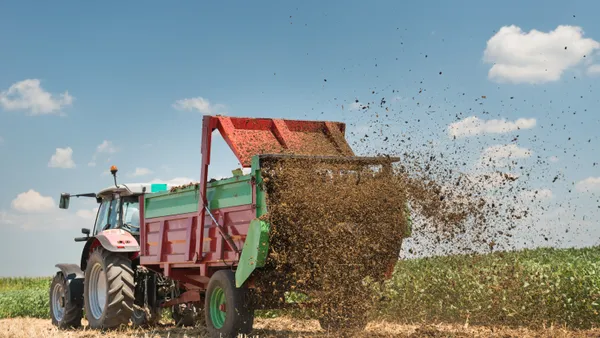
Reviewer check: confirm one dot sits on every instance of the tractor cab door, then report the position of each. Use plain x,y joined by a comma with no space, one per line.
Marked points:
108,215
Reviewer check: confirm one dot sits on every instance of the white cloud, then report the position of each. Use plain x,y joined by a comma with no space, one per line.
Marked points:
588,184
541,194
199,104
30,96
62,158
32,211
89,214
141,172
5,218
553,159
500,155
594,70
49,220
106,147
473,125
354,106
506,151
491,180
175,181
32,201
535,57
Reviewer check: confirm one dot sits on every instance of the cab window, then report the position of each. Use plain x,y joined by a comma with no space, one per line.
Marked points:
113,216
102,218
108,216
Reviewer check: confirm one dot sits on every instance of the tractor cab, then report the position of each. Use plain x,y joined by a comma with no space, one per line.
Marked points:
118,206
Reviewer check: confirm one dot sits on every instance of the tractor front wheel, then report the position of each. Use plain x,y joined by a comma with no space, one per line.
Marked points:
65,313
227,309
108,290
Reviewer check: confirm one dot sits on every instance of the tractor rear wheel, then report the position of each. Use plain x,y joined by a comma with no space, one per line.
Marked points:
108,289
65,313
227,309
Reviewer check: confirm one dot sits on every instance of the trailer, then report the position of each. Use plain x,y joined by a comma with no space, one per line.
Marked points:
198,249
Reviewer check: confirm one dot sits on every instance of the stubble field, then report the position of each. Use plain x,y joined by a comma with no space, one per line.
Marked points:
532,293
288,327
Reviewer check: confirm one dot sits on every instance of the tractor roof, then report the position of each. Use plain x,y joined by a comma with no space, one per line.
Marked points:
132,189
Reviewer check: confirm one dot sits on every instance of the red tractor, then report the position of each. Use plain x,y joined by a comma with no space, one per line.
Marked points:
104,283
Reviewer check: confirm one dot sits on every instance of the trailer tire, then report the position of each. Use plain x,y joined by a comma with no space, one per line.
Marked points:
65,313
108,289
238,317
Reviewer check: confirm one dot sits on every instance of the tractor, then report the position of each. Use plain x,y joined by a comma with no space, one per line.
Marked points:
199,249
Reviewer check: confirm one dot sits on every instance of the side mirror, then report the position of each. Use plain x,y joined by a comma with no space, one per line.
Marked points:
64,201
86,232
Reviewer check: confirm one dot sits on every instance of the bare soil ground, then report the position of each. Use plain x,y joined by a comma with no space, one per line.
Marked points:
285,327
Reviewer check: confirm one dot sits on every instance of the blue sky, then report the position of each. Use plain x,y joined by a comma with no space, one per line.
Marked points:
102,83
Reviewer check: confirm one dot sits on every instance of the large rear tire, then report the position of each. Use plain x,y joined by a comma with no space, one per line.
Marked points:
65,313
227,309
108,290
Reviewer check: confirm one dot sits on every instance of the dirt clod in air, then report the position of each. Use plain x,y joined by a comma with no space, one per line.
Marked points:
337,227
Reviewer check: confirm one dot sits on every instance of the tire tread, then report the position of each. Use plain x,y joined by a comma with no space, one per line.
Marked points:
121,286
73,310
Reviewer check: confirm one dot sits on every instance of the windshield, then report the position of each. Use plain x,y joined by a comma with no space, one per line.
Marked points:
108,216
119,213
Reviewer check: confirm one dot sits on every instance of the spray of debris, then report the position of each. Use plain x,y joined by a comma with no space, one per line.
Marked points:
337,225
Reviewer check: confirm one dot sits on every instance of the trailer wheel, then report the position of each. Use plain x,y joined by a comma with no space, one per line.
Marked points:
227,309
64,312
108,289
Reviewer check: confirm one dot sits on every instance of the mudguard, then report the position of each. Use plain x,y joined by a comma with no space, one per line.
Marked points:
70,271
74,278
118,240
255,251
114,240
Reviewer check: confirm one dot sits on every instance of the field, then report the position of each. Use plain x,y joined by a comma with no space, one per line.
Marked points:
543,292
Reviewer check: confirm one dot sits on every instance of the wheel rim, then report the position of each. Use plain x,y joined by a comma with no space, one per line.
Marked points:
217,305
97,292
139,313
58,302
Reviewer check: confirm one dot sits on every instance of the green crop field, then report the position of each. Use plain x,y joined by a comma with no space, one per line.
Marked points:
21,297
531,287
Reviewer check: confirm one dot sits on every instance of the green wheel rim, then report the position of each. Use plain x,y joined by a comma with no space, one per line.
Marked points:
216,315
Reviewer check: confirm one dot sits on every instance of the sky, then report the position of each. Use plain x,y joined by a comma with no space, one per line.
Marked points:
84,86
